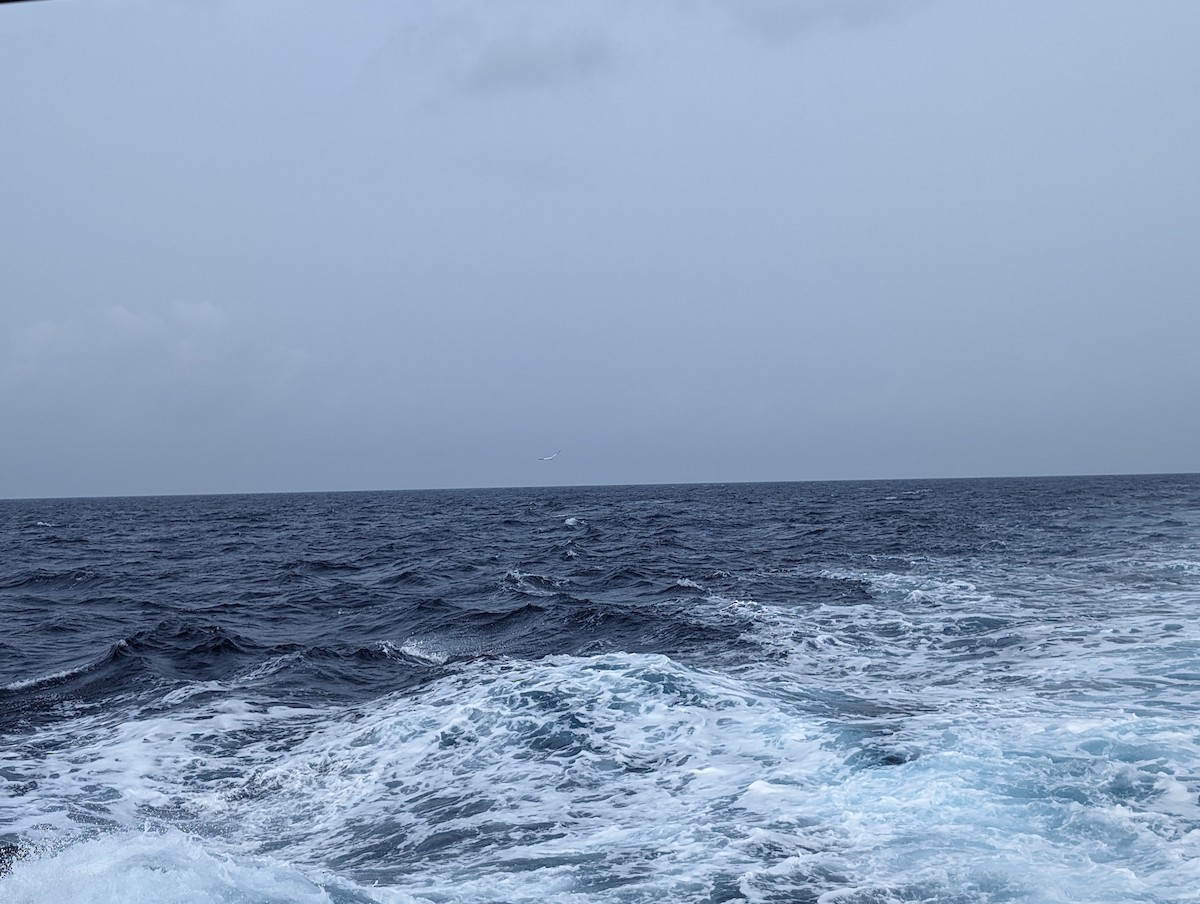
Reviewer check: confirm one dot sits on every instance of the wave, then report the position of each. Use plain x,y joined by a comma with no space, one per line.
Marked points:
608,778
420,650
52,679
44,579
421,788
161,866
623,580
402,576
531,584
173,649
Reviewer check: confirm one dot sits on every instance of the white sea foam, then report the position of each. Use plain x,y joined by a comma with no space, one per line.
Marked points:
532,584
569,763
26,683
1047,747
622,778
415,648
155,867
1178,566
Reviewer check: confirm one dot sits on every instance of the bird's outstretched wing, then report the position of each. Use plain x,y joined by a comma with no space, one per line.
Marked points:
549,457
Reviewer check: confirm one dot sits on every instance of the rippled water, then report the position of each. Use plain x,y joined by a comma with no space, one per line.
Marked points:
943,691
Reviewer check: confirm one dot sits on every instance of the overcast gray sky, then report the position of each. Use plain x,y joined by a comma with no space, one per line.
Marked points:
258,245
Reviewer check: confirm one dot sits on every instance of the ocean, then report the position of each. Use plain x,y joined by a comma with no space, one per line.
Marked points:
913,691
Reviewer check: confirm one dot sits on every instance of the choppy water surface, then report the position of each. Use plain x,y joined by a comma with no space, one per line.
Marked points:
944,691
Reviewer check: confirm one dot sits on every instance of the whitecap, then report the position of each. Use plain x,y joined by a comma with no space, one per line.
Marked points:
532,584
417,649
114,869
51,678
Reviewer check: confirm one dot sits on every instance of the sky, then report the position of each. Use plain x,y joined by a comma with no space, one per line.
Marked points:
284,245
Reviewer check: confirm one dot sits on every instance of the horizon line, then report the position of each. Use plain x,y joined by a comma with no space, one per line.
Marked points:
592,486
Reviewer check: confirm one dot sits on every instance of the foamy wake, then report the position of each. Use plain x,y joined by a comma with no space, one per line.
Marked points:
614,779
159,867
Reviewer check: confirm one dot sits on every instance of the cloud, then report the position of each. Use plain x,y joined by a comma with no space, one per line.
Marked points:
786,19
523,64
179,362
438,52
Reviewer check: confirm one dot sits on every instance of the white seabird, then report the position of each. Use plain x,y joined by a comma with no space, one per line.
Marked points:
549,457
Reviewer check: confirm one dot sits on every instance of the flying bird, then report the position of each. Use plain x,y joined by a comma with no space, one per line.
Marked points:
550,457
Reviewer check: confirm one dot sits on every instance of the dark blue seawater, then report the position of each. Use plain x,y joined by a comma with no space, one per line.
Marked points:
936,691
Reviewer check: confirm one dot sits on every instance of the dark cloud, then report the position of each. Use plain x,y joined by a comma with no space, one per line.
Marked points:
522,64
785,19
